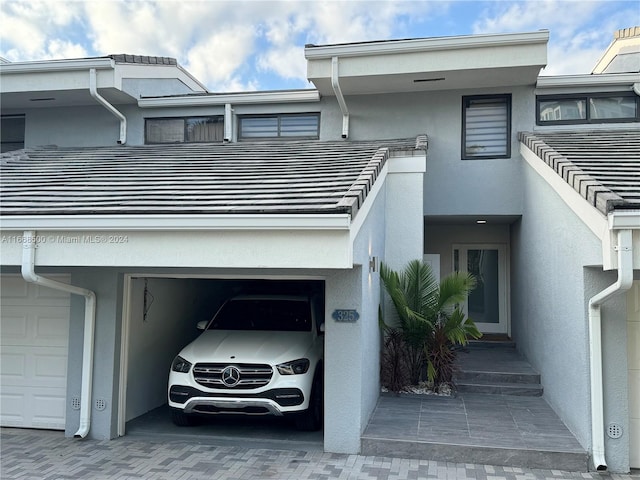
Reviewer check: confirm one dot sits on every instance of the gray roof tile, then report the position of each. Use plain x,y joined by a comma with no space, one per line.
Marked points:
263,177
602,166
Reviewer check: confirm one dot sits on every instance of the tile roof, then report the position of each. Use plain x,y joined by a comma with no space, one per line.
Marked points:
143,59
603,166
262,177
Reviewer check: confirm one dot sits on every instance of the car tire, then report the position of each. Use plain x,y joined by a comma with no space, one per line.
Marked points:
182,419
311,419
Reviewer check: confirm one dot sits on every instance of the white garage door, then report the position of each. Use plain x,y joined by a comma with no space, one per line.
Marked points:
34,333
633,349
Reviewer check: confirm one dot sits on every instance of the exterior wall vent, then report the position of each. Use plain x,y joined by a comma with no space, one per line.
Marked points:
614,430
101,404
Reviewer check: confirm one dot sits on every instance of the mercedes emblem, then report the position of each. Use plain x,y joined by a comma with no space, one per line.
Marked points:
230,376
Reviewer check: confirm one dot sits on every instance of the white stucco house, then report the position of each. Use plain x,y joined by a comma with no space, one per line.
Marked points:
133,201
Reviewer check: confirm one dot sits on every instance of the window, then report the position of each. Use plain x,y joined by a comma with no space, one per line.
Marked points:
587,108
486,126
263,314
279,126
184,130
12,132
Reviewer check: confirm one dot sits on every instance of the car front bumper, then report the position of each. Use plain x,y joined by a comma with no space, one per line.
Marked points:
278,401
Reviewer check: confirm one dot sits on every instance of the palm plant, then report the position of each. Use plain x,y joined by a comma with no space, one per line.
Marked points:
430,317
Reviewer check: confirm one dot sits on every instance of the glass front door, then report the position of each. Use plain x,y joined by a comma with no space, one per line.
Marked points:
487,303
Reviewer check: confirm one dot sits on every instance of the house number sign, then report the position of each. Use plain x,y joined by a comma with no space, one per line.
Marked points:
346,316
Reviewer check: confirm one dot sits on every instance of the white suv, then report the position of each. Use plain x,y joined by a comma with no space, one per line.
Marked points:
258,355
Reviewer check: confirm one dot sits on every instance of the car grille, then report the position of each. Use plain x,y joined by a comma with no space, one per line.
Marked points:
249,375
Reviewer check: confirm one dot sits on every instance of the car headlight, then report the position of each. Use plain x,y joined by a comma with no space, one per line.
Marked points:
295,367
180,365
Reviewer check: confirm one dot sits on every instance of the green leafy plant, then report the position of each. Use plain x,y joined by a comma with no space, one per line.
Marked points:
430,318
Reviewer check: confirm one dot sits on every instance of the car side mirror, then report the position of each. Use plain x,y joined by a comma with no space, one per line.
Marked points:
202,324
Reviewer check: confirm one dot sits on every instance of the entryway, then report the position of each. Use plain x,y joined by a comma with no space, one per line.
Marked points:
498,417
487,304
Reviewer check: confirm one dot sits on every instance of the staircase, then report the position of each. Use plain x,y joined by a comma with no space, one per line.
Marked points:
497,416
495,367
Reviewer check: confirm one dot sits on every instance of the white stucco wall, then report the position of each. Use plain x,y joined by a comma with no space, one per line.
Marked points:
343,387
451,186
552,281
154,340
70,127
198,249
107,285
369,243
392,232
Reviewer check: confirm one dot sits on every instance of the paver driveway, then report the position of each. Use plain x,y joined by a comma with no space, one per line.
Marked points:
46,455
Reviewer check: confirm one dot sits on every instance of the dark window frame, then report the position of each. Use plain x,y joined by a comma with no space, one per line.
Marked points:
4,143
184,119
466,102
279,117
586,98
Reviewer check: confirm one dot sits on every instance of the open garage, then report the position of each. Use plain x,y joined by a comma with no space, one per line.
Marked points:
159,319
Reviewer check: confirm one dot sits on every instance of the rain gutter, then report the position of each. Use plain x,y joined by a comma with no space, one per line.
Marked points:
29,274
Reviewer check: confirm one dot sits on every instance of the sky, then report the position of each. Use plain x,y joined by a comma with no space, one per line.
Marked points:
259,44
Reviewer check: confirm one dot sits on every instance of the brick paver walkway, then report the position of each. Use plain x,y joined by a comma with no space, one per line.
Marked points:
46,455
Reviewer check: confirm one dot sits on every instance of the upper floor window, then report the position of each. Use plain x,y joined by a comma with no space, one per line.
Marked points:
184,129
486,126
12,132
587,108
279,126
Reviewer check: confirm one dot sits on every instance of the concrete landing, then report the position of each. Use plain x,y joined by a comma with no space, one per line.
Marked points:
515,431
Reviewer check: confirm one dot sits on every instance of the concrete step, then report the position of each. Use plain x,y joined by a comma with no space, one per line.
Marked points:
472,376
449,452
495,367
499,388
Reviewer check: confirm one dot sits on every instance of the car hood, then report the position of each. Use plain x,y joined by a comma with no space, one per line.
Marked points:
248,347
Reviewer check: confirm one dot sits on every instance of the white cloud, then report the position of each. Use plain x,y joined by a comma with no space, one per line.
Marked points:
579,30
287,62
27,28
57,48
216,58
223,43
329,22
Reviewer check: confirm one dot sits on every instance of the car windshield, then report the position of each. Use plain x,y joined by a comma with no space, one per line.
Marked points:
264,314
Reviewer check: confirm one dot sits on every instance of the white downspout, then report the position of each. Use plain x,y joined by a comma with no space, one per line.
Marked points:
93,90
29,274
228,122
624,282
335,83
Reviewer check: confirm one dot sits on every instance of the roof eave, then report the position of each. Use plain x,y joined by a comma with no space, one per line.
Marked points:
602,79
425,45
287,96
175,222
57,65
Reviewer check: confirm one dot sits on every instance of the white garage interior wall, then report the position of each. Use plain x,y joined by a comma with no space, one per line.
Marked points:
34,321
633,351
173,308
